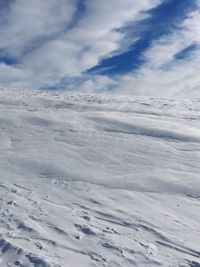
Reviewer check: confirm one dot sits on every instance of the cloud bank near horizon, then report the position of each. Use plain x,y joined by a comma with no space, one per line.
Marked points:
146,47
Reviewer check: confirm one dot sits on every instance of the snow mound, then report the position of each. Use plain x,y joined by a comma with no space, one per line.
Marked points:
90,180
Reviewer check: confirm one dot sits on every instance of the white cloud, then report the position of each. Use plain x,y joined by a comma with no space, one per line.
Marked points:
51,42
67,53
162,74
12,77
29,21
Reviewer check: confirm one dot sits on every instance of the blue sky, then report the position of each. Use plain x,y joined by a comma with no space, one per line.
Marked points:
136,47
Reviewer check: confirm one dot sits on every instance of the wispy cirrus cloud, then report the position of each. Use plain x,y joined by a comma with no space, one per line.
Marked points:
53,40
146,47
171,64
168,66
29,24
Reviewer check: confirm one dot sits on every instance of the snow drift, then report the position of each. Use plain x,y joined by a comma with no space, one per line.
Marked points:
91,180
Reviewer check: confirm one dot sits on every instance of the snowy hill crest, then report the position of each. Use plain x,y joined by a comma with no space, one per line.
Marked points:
90,180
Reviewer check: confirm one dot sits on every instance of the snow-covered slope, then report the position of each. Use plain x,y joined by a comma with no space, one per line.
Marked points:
98,181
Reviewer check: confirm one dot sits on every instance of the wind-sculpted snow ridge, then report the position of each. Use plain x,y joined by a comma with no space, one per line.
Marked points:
90,180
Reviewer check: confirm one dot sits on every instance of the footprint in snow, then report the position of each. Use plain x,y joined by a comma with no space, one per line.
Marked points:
86,217
109,230
84,229
152,249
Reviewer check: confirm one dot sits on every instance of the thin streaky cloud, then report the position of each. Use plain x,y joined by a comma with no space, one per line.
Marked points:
147,47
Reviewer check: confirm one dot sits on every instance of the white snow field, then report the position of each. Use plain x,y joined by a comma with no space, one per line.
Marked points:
89,180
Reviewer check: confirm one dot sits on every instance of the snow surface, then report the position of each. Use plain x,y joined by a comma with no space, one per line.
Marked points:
92,180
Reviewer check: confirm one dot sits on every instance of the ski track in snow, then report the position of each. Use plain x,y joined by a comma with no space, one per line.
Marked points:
91,180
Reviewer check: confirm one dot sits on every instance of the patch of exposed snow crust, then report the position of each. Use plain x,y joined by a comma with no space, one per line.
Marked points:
91,180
